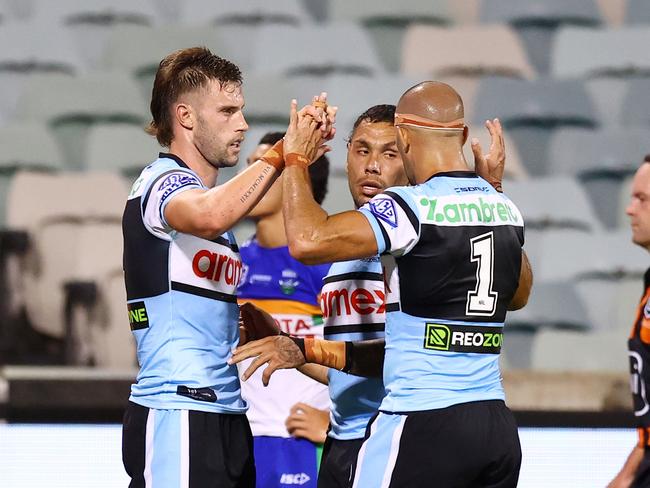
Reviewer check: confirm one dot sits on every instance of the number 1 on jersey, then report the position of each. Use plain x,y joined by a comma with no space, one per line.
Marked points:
482,300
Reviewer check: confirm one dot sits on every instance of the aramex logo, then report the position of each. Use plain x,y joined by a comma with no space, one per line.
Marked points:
215,267
344,302
469,211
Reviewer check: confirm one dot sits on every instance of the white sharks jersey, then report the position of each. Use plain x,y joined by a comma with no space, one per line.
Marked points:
354,309
181,294
457,245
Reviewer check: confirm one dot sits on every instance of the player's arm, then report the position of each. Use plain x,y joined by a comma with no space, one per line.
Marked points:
316,372
520,299
625,477
360,358
209,213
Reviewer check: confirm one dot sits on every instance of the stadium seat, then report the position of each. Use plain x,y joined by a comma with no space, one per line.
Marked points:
517,346
601,160
469,51
611,303
268,100
537,20
337,58
624,197
71,107
387,20
244,12
611,52
123,148
338,197
552,304
55,232
553,202
562,350
138,50
613,11
637,12
90,23
636,105
531,111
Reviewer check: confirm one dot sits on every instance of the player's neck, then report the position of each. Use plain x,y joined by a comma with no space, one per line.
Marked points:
195,161
269,231
440,161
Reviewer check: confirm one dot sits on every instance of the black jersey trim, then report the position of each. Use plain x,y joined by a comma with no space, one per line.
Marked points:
358,275
454,174
350,329
384,234
407,210
392,307
202,292
175,158
225,242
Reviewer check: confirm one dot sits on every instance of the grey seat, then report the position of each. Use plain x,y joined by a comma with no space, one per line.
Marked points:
123,148
244,12
553,202
555,350
637,12
532,111
536,22
337,58
601,159
636,105
387,21
551,304
71,107
138,50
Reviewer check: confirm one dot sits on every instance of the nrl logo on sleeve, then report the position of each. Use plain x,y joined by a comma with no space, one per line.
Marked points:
384,209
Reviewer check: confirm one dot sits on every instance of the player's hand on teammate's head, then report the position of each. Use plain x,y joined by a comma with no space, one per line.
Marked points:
255,323
492,165
308,423
280,352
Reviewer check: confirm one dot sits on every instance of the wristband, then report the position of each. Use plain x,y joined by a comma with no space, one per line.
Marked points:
275,155
295,159
328,353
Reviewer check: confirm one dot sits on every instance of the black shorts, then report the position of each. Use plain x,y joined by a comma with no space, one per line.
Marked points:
165,448
467,445
337,461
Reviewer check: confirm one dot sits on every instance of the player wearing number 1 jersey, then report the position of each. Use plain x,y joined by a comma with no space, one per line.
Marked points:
459,266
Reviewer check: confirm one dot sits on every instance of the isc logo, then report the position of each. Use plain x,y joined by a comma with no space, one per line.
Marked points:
294,479
215,266
360,300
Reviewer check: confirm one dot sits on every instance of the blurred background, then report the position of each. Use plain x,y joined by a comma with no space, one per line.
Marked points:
569,79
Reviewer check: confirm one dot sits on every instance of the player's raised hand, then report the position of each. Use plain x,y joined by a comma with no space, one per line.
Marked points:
308,423
280,352
304,137
492,165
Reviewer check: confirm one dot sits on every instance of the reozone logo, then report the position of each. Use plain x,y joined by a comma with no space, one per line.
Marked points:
460,338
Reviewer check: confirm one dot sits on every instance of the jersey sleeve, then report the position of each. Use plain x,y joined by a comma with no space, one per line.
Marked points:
394,222
160,193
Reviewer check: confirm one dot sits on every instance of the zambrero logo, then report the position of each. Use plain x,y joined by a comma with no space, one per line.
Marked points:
462,338
217,267
359,301
466,210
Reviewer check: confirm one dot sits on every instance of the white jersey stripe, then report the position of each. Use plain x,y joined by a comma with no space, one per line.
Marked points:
148,448
185,450
394,451
362,452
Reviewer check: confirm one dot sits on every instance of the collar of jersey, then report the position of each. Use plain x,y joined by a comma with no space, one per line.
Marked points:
454,174
175,158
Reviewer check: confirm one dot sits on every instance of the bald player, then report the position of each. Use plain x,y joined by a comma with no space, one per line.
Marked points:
458,266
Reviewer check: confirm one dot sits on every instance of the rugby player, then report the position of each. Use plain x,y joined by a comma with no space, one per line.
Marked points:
185,423
457,243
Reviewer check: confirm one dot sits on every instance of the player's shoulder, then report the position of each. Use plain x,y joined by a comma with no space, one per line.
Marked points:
167,170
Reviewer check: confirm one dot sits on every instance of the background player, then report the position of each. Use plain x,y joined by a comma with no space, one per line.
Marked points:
289,290
457,244
185,421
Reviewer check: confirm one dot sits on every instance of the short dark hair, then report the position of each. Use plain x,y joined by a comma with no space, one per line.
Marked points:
319,170
178,73
375,115
646,159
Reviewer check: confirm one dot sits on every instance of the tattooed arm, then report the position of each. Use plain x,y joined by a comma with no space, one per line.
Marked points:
209,213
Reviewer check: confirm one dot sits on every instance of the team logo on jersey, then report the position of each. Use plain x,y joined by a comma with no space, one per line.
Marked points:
646,309
294,479
176,181
138,318
384,209
463,338
289,281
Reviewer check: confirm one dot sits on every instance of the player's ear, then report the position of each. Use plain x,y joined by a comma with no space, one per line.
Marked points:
403,135
465,134
184,114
